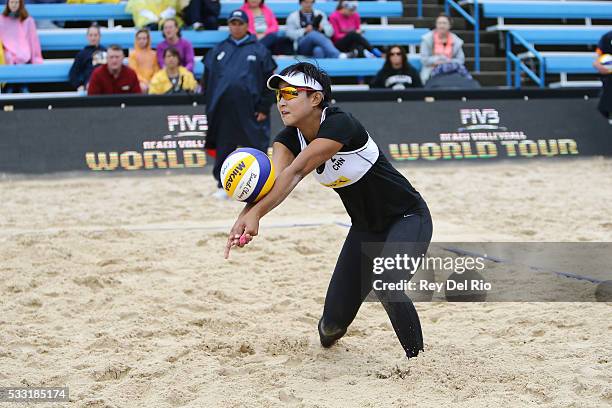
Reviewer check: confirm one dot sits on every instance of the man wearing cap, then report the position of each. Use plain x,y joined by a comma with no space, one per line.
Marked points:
237,99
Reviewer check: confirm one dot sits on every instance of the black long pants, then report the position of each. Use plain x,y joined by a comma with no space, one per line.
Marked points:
230,129
353,41
351,282
203,11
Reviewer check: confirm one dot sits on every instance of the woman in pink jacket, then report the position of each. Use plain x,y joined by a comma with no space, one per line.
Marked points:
19,37
263,24
347,31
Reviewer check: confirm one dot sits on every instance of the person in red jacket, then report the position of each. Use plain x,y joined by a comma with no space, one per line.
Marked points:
113,77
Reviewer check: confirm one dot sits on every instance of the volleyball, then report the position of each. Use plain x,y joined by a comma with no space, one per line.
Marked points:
247,174
606,61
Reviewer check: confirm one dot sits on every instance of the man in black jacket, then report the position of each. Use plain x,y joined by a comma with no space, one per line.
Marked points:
237,98
87,59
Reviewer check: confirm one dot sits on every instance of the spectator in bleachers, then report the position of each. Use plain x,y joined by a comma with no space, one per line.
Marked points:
264,25
142,59
113,77
87,59
203,14
172,38
605,102
311,31
440,46
237,98
173,78
152,13
19,38
347,31
397,73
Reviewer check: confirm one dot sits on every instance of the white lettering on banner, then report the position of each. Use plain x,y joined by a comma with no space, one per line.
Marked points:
187,123
479,116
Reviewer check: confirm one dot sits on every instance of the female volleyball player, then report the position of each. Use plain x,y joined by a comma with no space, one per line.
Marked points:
383,205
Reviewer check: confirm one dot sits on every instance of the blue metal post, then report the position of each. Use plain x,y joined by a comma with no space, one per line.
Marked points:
420,9
517,75
508,61
476,37
446,8
542,71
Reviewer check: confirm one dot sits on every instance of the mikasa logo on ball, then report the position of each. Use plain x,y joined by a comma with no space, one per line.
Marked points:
235,173
247,174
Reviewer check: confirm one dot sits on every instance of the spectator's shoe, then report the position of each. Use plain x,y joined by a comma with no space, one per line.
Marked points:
343,55
220,194
197,26
368,54
377,52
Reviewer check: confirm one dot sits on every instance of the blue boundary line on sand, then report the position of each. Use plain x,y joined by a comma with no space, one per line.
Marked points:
460,251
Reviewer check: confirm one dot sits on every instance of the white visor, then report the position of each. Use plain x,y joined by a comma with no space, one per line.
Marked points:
298,79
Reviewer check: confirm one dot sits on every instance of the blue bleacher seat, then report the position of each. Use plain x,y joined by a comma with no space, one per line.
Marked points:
57,70
576,35
90,12
73,40
562,63
570,63
547,9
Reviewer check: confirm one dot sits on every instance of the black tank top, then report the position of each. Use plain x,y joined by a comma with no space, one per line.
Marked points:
373,192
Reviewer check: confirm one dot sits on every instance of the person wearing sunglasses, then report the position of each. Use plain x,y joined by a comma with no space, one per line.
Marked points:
397,73
384,207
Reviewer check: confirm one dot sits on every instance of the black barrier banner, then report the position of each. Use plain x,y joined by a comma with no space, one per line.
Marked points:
111,139
103,139
485,130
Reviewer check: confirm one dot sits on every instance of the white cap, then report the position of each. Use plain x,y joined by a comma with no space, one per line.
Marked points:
298,79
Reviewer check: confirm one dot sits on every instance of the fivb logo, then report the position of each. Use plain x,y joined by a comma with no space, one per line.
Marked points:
187,123
475,119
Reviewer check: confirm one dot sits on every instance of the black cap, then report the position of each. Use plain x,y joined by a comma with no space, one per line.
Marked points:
238,15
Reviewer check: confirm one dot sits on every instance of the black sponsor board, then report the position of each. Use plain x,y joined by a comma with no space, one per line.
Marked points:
110,139
485,130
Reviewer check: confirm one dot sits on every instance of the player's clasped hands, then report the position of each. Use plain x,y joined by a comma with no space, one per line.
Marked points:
243,232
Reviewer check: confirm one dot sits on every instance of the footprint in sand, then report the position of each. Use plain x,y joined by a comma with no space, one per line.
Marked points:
288,397
111,372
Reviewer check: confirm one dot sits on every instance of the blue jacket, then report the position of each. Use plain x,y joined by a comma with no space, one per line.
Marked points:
238,73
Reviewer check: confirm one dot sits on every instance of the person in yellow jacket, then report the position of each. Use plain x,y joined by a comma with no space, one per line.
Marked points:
143,59
1,53
173,78
1,60
151,13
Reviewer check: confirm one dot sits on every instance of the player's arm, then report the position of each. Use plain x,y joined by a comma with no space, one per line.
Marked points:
282,158
315,154
598,65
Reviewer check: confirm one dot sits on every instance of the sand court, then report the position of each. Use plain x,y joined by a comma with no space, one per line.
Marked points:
117,288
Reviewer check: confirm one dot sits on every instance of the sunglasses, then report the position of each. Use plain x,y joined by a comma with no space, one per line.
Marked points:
290,92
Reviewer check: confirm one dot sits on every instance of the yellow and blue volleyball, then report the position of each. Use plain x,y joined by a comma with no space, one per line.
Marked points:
247,174
606,61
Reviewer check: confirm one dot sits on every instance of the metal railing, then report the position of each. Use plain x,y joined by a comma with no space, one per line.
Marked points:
519,65
474,20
